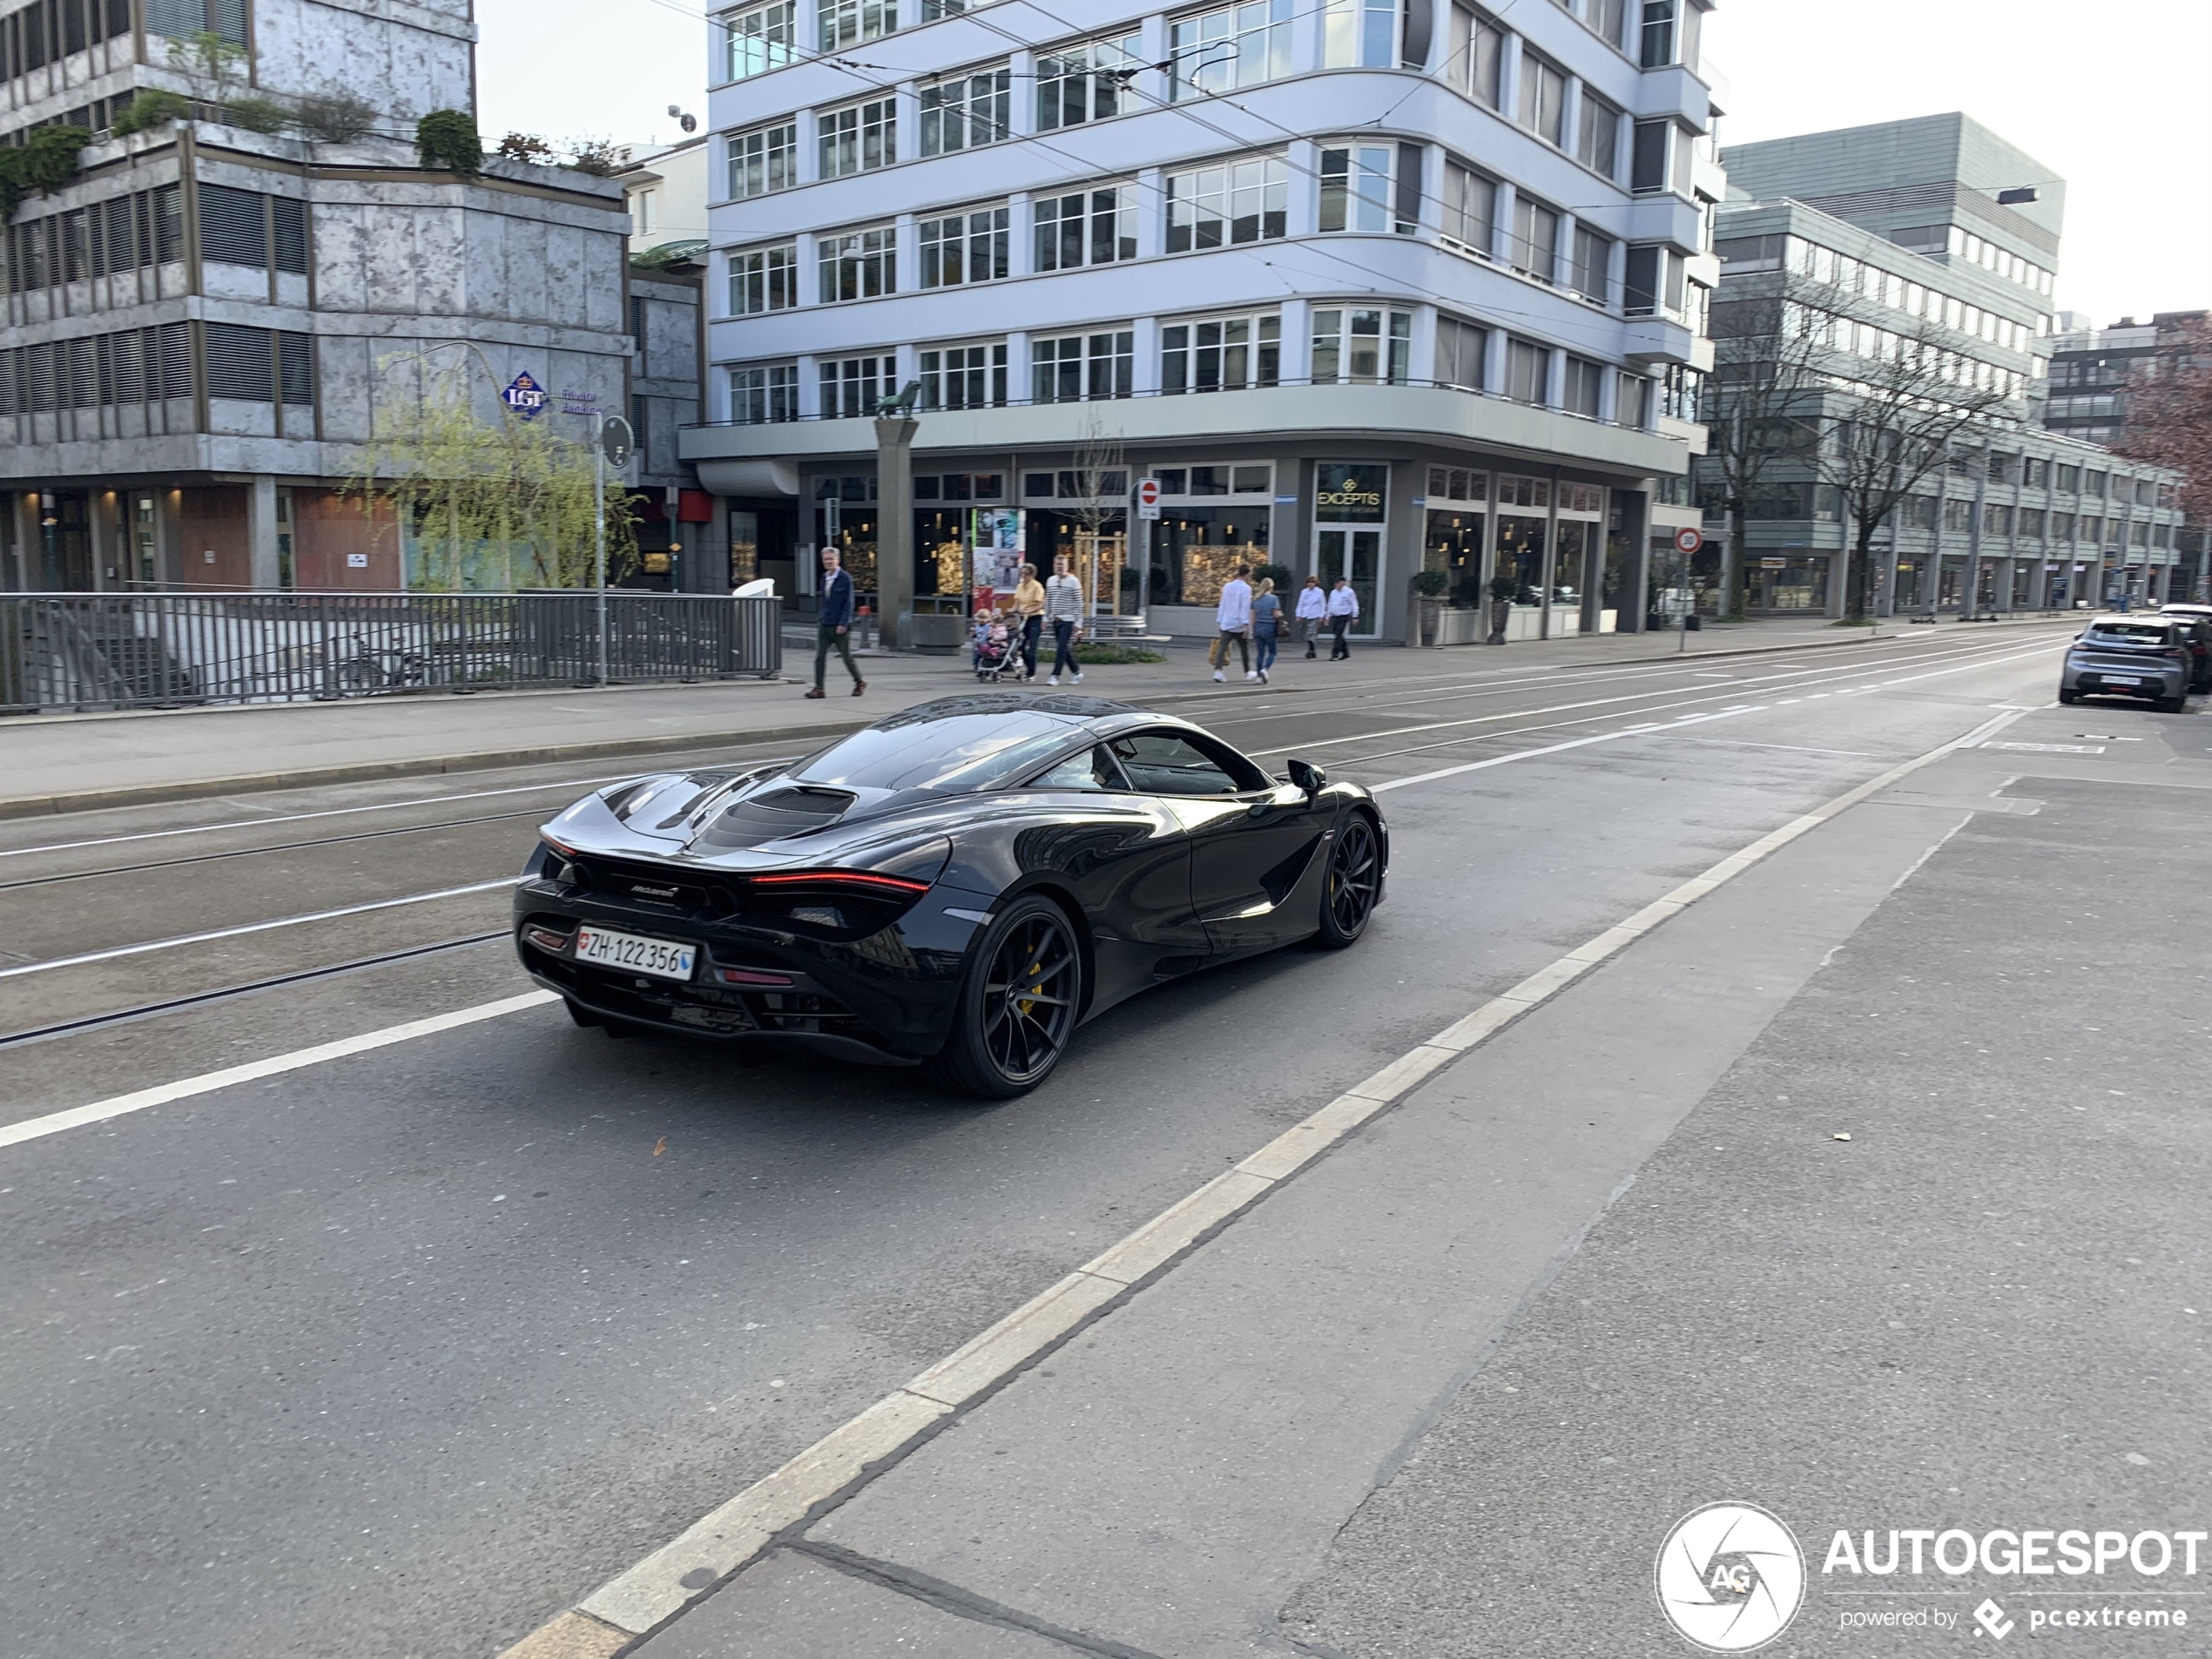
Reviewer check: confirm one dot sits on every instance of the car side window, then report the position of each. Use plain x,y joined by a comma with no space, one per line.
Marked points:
1167,762
1092,769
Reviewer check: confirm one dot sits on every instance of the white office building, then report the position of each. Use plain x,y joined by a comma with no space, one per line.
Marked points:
1367,286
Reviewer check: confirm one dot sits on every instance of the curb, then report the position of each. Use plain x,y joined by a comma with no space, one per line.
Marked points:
484,760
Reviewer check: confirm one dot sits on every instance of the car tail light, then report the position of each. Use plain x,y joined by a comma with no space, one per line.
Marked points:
565,851
752,976
858,881
546,938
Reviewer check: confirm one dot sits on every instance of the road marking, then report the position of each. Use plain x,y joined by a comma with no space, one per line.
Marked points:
99,1111
257,927
699,1561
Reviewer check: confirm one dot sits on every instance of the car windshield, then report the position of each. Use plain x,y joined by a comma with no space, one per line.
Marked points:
2132,633
952,755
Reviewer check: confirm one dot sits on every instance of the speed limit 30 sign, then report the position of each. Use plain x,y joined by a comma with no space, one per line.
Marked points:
1689,539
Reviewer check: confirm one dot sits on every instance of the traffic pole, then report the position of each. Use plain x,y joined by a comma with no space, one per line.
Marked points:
599,534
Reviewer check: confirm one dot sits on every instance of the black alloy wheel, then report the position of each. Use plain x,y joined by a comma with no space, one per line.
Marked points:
1018,1003
1355,879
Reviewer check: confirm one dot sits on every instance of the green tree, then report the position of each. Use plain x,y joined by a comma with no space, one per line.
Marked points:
502,498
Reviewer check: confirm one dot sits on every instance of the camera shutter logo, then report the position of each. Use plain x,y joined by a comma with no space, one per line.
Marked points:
1730,1577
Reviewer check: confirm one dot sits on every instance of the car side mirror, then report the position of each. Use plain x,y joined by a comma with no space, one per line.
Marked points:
1307,776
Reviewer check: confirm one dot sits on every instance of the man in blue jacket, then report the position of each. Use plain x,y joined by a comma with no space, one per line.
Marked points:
833,622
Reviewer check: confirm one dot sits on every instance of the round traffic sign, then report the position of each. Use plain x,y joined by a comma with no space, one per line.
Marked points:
1689,539
617,441
1147,492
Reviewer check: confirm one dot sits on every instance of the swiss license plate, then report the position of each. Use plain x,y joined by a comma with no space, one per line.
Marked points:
2120,679
656,958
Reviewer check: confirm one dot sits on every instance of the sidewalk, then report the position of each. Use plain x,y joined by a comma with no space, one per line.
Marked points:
68,763
1395,1404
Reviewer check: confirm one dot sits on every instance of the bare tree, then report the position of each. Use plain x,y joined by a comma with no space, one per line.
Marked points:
1099,462
1767,355
2168,417
1910,401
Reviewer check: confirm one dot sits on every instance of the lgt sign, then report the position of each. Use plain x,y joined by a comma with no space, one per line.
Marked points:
525,396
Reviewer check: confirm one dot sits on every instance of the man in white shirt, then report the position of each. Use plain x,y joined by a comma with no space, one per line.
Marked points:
1234,621
1063,613
1312,606
1344,611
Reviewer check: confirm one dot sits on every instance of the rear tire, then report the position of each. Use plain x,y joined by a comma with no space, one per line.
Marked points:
2069,697
1352,885
581,1014
1017,1003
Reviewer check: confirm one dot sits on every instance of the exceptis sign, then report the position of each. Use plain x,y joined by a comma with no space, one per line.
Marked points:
1147,498
1349,492
1688,540
525,396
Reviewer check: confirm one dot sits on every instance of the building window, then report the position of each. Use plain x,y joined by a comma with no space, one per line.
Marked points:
1658,34
762,38
965,112
1362,346
1533,245
1077,368
1597,135
1356,193
1653,143
1632,400
1359,34
1529,369
1606,18
766,278
1461,349
1237,201
763,161
859,264
961,248
759,396
1655,280
1584,391
1085,82
1543,99
855,387
1589,271
964,377
1470,208
1478,53
846,22
860,137
1088,227
1233,46
641,213
1221,353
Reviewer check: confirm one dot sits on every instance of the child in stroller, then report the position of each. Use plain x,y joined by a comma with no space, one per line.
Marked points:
991,643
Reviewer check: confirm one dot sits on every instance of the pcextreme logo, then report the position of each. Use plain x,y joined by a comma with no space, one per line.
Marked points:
1730,1577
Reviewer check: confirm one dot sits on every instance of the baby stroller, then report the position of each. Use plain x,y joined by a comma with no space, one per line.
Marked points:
992,657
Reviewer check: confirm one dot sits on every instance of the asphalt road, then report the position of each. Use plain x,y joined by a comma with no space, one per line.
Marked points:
399,1354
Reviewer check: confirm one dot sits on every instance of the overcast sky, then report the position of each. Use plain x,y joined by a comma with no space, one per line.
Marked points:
2111,97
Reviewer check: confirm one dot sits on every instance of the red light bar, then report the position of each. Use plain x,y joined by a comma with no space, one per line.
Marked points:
865,880
566,851
751,976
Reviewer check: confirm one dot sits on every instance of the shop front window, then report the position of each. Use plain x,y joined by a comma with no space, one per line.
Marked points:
1453,545
1521,555
1195,550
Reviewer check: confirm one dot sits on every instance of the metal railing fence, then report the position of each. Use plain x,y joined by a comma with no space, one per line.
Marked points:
70,652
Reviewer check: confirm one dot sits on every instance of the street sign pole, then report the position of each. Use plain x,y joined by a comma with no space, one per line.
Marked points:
599,534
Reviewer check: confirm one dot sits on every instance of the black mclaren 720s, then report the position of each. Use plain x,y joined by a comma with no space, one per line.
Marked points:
962,884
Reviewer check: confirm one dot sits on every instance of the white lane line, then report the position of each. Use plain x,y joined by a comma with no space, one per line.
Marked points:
298,818
1794,748
99,1111
256,927
698,1559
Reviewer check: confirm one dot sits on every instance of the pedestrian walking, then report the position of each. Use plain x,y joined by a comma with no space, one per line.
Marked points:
833,622
1063,609
1233,621
1312,607
1344,611
1267,615
1028,606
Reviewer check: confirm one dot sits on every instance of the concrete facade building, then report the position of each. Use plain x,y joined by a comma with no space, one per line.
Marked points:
1899,231
1367,286
205,323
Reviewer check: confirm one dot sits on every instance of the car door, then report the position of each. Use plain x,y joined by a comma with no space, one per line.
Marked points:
1127,856
1251,838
